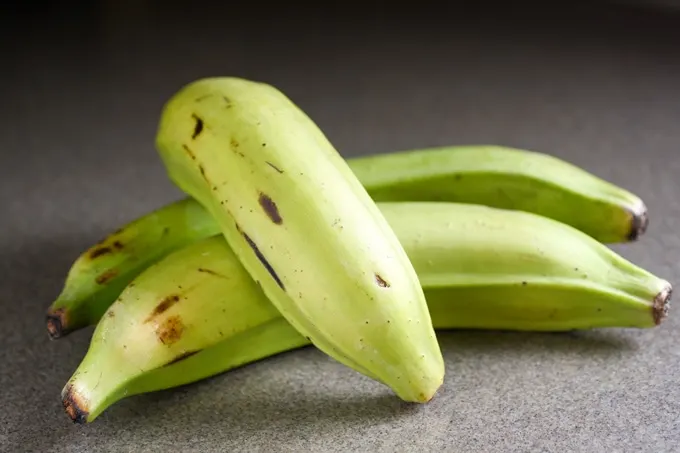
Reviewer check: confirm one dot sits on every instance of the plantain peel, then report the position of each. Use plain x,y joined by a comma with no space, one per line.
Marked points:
304,228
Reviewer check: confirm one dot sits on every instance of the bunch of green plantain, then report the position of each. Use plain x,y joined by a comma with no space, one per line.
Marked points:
280,243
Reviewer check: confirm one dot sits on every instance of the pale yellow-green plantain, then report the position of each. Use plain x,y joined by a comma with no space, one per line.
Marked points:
304,228
197,312
490,175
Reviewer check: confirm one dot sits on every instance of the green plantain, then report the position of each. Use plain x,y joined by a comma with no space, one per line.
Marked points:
490,175
304,228
197,312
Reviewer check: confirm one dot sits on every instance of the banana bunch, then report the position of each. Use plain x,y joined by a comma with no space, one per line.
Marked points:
281,243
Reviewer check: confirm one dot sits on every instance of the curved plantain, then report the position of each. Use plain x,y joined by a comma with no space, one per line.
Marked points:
304,227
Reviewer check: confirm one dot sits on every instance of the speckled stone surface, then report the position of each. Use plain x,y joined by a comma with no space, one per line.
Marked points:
81,96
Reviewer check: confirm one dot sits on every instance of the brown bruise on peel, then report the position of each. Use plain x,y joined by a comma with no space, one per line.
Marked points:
106,276
270,208
74,406
99,251
170,330
261,257
189,152
163,306
56,323
198,127
381,281
234,144
105,249
211,272
202,170
181,357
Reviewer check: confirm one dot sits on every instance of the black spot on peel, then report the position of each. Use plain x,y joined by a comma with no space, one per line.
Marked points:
204,97
270,208
262,259
211,272
198,127
189,152
181,357
381,281
202,170
274,167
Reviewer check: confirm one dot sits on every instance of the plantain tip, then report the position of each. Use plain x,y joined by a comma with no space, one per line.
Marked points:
74,406
661,304
56,323
639,221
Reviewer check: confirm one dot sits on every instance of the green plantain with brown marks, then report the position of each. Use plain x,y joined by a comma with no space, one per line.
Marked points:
494,176
304,228
197,312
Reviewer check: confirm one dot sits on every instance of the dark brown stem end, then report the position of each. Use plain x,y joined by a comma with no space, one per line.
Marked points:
661,304
74,406
56,323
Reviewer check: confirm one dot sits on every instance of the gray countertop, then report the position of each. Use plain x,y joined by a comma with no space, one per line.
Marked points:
81,97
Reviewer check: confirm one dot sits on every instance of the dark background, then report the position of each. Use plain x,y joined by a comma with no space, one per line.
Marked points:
596,83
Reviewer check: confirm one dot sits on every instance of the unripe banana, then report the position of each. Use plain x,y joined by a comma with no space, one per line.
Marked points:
507,178
99,274
304,227
197,312
491,175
